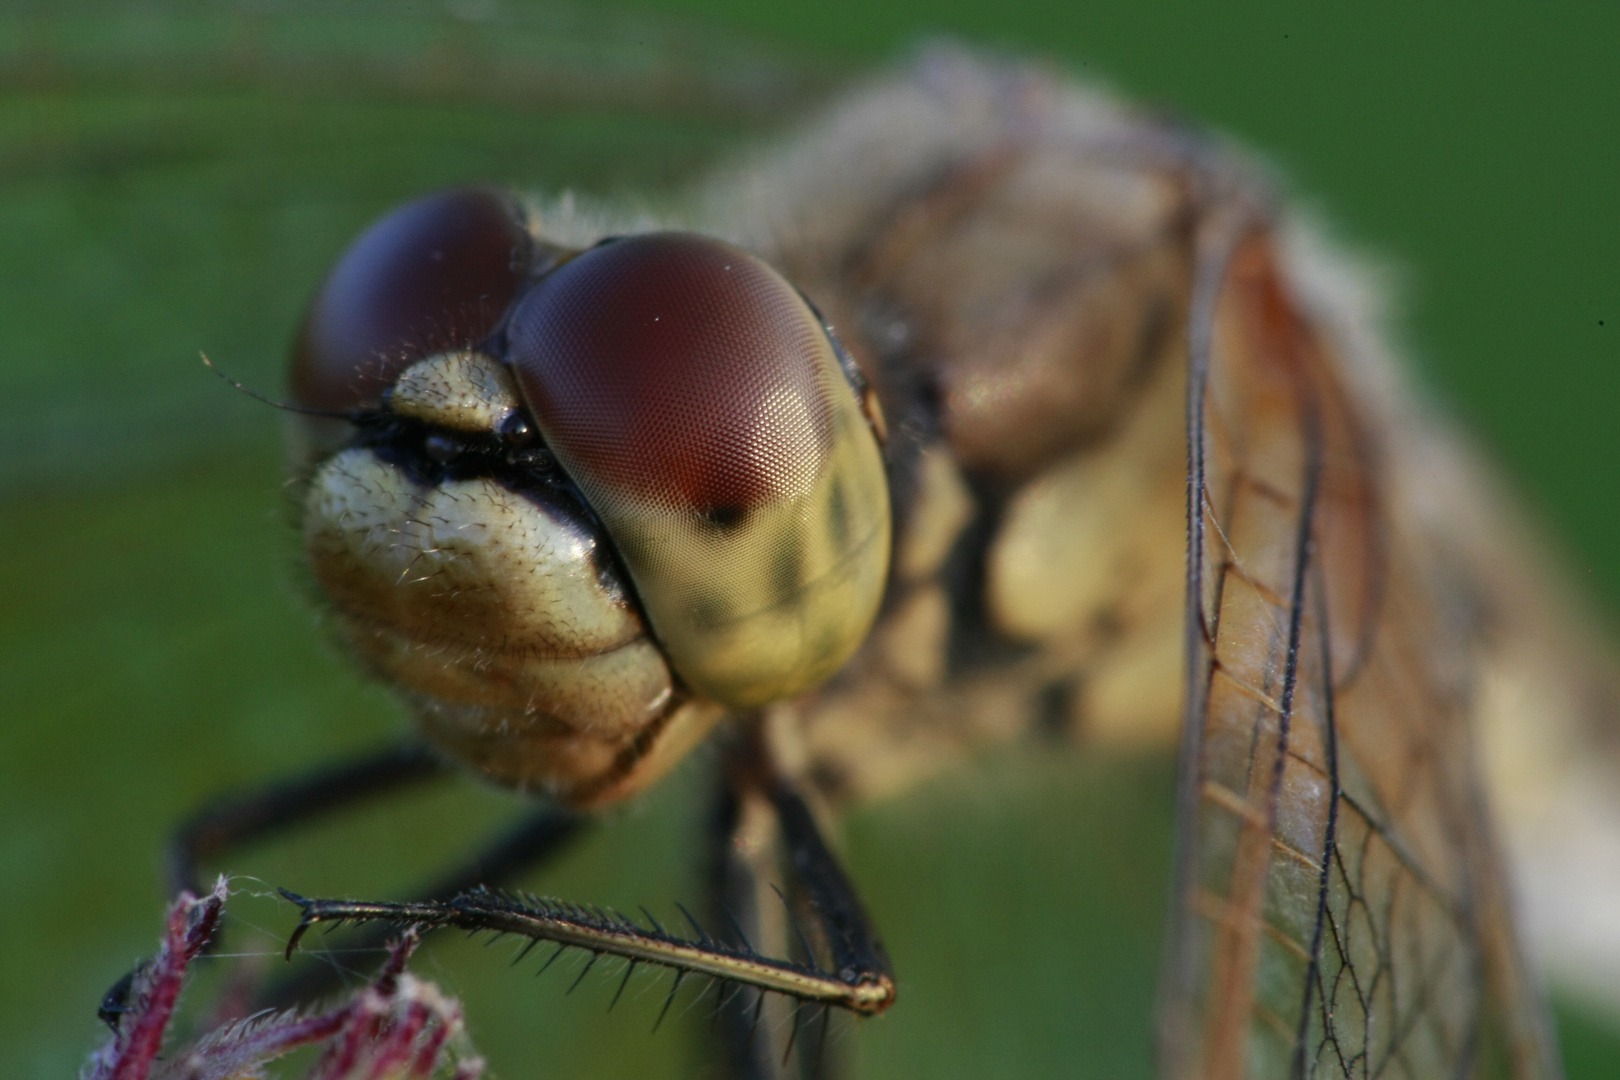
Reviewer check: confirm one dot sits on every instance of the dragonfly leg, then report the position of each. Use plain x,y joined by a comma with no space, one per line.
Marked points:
531,841
840,963
742,851
227,823
763,827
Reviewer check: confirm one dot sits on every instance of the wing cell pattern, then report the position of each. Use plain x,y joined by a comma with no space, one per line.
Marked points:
1340,906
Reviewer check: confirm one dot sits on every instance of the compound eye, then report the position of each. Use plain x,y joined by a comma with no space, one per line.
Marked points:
434,275
699,405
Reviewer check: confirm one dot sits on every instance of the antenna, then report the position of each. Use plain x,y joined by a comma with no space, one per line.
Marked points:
331,414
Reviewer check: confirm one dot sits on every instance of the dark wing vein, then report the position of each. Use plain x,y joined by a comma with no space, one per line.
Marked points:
1339,905
1313,975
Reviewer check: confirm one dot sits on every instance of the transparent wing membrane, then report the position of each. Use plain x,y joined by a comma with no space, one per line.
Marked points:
1340,909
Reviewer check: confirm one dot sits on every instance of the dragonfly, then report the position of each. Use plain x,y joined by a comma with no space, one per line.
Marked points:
985,408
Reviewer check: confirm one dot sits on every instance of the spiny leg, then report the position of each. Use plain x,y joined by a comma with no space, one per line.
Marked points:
742,846
762,827
227,823
533,840
762,1035
857,979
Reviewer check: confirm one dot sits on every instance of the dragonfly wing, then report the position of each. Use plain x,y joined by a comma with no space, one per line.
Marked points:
1341,908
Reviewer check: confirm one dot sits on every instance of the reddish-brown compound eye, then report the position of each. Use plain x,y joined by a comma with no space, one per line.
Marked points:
436,274
676,369
698,403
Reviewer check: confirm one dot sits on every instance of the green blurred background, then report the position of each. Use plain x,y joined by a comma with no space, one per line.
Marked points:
175,179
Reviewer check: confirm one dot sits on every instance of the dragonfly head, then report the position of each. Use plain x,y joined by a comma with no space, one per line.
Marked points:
585,502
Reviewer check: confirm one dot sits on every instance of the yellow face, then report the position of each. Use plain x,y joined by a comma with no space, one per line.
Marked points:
585,503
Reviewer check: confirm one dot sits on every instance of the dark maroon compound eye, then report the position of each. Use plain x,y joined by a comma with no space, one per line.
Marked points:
436,274
700,406
676,370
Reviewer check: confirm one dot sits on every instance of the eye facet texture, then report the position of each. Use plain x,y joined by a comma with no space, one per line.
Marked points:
434,275
695,399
